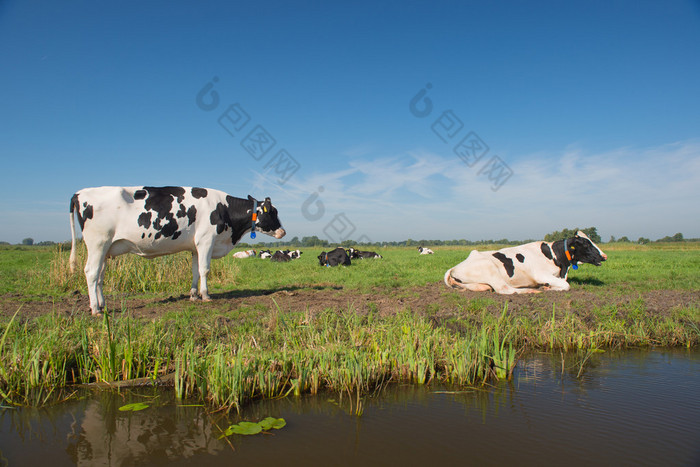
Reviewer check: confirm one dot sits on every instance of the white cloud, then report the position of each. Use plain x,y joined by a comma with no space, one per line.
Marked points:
648,192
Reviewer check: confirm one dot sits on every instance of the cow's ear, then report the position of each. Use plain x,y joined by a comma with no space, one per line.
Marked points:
250,198
267,205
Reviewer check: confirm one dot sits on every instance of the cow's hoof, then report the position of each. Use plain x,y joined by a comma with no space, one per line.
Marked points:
206,299
98,314
194,298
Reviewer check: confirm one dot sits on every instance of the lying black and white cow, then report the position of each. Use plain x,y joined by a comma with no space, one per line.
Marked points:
265,254
280,257
156,221
244,254
424,251
519,269
356,254
334,258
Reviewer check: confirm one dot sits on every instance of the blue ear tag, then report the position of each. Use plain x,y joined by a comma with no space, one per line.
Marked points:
255,217
575,266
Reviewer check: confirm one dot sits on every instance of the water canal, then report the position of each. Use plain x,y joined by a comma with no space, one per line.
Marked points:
626,408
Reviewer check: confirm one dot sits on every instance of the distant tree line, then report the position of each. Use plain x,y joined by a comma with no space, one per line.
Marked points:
643,240
591,232
313,241
31,242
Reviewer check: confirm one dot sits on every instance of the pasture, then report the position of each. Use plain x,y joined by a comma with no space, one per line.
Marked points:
276,329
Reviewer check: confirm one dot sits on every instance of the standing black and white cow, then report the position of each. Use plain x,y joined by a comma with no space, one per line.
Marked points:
521,268
157,221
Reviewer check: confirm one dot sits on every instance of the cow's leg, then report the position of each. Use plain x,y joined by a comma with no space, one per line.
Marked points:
501,286
204,252
458,284
195,277
554,283
478,287
100,285
94,268
480,275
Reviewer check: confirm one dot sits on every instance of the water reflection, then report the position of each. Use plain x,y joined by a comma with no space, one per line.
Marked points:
93,431
640,408
105,433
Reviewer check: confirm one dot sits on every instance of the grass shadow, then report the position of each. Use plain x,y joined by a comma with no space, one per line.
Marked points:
586,281
246,293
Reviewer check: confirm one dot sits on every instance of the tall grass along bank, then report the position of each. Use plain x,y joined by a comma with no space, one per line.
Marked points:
230,358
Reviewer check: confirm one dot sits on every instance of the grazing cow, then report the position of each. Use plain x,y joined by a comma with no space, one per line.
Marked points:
264,254
357,254
424,251
519,269
244,254
280,257
334,258
156,221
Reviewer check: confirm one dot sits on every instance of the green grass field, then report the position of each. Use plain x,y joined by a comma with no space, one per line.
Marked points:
32,271
227,355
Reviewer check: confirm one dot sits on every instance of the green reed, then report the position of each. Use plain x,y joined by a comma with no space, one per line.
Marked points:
270,353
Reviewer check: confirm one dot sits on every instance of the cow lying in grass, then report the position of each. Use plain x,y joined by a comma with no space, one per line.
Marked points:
280,256
334,258
244,254
357,254
524,268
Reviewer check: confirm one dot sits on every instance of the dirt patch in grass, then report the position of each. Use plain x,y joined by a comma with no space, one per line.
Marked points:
432,300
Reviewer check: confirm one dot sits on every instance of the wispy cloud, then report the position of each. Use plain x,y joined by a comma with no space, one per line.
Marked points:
625,191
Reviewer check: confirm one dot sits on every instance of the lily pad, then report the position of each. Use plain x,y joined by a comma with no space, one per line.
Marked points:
252,428
135,407
273,423
246,428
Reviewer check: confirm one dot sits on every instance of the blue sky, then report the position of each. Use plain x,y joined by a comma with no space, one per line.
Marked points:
590,113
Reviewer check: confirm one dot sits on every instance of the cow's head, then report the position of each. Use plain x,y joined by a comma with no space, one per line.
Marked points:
267,221
585,251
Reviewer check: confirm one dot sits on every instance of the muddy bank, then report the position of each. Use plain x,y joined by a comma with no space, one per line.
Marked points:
432,300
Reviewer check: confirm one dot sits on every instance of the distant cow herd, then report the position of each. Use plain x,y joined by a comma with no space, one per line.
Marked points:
156,221
337,257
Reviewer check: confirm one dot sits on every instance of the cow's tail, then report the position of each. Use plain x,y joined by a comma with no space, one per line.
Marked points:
73,247
451,281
